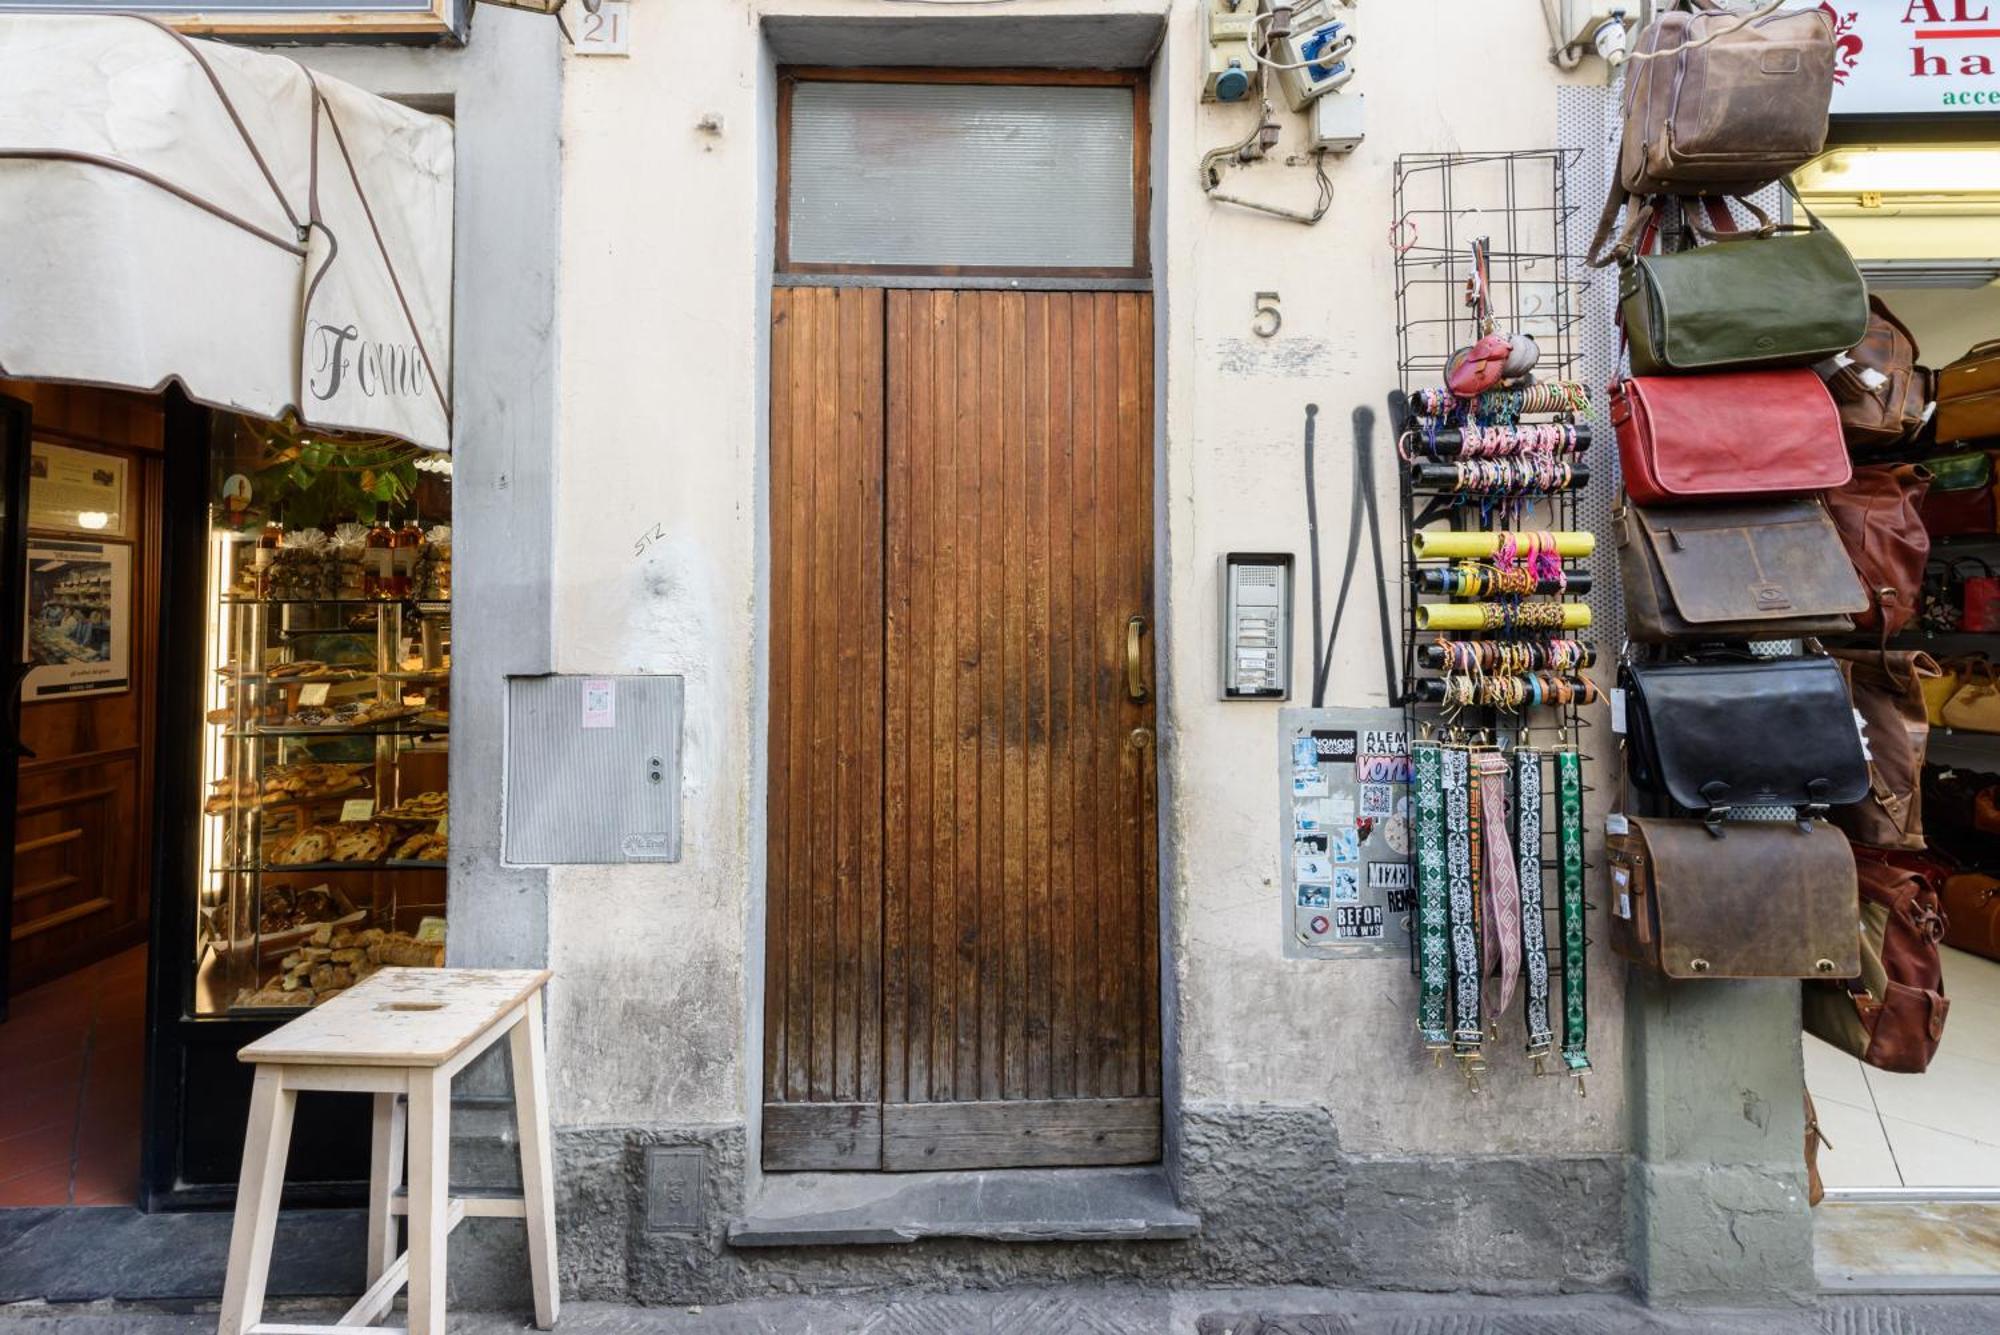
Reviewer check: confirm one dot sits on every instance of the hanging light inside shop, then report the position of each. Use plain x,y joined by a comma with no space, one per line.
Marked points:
1946,178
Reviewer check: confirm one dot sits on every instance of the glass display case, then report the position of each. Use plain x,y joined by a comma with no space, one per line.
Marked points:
325,751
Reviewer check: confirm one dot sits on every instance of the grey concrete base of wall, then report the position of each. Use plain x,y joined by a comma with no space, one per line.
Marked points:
1713,1234
1280,1204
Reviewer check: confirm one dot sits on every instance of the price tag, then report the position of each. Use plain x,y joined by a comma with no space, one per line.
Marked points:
357,808
1618,710
313,693
1615,823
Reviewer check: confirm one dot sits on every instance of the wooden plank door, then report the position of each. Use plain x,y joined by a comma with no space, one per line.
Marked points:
963,958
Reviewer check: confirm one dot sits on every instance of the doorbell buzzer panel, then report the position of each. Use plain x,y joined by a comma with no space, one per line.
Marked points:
1257,626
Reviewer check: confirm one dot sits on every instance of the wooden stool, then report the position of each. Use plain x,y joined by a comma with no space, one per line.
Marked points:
402,1033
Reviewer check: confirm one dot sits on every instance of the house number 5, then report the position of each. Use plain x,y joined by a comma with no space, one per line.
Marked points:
1267,322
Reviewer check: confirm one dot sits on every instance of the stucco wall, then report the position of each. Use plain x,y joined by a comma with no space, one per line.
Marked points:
663,307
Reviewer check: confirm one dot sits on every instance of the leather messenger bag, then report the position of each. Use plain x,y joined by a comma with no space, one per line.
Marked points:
1729,436
1769,570
1715,735
1764,899
1968,395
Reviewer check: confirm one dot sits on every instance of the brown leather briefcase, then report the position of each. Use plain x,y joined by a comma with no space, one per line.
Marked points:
1765,899
1756,570
1968,395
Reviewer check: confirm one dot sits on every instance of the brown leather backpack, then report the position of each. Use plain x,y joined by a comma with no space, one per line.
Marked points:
1878,514
1893,1015
1887,689
1891,412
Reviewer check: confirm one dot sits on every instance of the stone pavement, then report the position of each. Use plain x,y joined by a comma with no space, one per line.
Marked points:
1118,1311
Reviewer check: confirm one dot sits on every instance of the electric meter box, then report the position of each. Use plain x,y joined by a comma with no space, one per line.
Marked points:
1257,626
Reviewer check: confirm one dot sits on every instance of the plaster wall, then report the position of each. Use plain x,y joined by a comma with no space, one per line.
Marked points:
659,553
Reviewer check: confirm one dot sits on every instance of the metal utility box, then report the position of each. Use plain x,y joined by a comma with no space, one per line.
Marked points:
593,769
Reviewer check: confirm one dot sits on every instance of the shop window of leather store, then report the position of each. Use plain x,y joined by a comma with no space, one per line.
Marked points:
1920,212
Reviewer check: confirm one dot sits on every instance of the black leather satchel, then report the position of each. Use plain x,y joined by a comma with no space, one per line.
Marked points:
1715,735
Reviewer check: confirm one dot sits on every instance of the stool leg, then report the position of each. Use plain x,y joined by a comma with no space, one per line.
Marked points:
265,1143
430,1177
385,1174
531,1121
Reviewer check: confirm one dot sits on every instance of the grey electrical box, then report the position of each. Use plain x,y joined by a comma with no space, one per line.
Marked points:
593,769
1257,626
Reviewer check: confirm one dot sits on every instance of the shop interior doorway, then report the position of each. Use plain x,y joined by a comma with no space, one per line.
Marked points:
1913,1167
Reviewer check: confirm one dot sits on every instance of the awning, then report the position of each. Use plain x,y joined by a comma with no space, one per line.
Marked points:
173,209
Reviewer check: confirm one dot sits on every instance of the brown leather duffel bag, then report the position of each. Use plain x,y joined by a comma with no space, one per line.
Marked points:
1879,514
1972,912
1893,1015
1888,693
1890,411
1969,396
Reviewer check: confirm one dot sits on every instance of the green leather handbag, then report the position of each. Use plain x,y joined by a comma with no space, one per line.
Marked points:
1752,300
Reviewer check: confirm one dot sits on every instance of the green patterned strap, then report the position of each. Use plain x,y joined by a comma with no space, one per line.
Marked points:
1528,873
1433,912
1569,842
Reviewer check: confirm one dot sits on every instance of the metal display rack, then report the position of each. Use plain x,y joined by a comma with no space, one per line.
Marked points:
1517,204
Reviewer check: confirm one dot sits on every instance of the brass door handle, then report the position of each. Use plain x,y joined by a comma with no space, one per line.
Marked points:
1135,659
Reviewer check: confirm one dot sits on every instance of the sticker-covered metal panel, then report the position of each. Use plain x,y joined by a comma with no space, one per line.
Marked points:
593,769
1344,785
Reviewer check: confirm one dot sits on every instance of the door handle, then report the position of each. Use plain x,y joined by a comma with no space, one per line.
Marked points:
1135,659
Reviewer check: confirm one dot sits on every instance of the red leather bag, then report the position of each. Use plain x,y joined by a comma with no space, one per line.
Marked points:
1878,515
1982,604
1692,438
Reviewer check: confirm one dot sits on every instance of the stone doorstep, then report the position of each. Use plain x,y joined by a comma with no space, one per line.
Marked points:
1011,1205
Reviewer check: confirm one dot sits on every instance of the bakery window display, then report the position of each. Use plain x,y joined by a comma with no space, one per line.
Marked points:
327,721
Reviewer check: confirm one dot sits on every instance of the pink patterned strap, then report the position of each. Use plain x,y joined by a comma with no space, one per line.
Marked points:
1503,887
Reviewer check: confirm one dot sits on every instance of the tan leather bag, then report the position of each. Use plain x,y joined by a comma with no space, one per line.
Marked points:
1968,394
1975,706
1881,524
1891,411
1757,570
1765,899
1972,914
1892,1014
1815,1186
1888,693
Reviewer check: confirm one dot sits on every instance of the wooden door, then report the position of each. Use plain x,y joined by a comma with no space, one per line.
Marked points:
963,949
84,814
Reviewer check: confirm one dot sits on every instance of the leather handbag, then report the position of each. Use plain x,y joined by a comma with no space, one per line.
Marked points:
1975,705
1968,395
1766,570
1750,301
1718,105
1972,914
1887,690
1718,734
1943,598
1940,689
1881,391
1879,515
1891,1015
1727,436
1980,602
1767,899
1960,500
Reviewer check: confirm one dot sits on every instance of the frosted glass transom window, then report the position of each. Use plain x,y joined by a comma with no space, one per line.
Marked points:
963,174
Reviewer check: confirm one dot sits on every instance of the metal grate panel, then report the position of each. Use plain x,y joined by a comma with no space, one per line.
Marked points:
593,769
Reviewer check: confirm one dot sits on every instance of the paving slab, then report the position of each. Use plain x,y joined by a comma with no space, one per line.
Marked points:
1087,1310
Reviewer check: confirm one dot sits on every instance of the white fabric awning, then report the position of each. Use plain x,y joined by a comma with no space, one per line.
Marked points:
173,209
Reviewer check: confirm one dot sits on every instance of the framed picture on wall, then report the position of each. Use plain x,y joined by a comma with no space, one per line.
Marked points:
76,491
79,611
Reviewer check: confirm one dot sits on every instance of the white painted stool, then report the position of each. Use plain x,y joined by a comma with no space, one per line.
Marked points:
402,1033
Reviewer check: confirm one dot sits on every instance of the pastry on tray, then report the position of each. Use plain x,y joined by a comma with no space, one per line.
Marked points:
335,960
426,847
427,807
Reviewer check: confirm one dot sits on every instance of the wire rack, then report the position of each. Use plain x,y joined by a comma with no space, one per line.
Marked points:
1519,202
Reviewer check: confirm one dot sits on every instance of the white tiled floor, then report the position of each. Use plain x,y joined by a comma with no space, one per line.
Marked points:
1938,1129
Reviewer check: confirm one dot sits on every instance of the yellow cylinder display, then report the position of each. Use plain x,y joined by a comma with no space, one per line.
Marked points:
1450,546
1489,616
